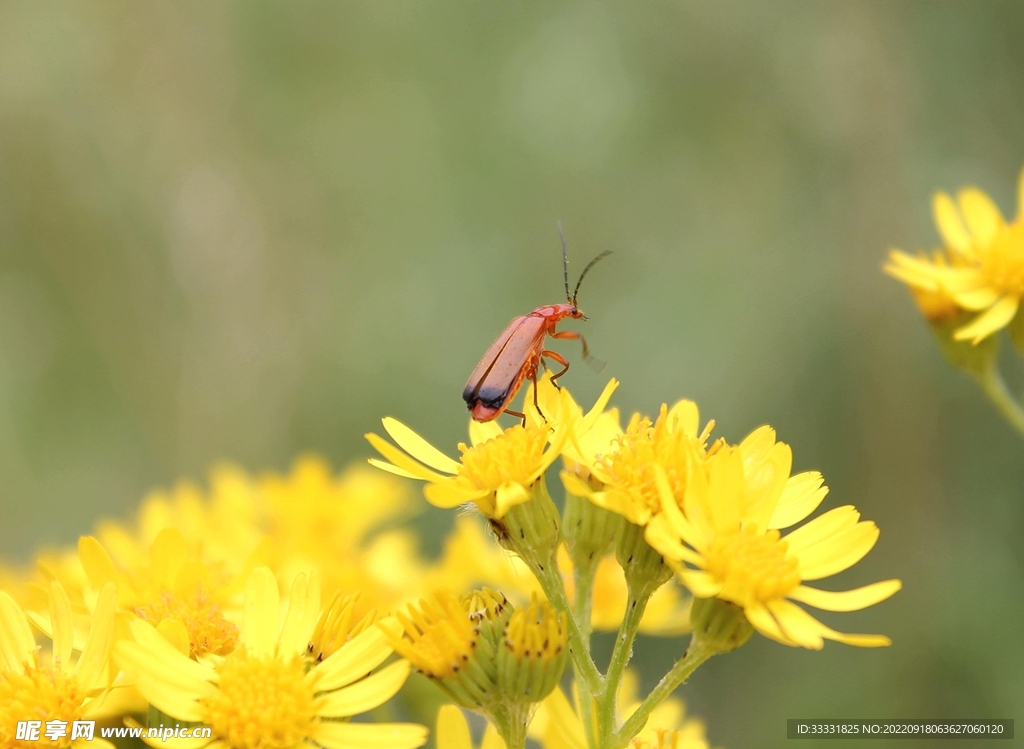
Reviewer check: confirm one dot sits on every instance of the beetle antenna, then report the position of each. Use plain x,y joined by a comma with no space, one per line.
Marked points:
590,265
565,261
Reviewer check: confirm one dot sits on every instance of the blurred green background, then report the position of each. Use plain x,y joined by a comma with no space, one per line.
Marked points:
246,231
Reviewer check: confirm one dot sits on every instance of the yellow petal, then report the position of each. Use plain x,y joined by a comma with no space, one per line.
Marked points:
664,539
686,416
841,552
978,299
821,529
98,566
846,600
951,227
17,645
60,623
335,735
262,605
353,660
391,469
481,431
797,624
701,584
303,612
508,495
418,447
725,491
794,618
96,654
448,493
365,694
491,738
176,633
602,400
162,661
981,215
677,522
452,729
574,485
169,553
802,495
401,460
997,316
168,689
563,729
763,621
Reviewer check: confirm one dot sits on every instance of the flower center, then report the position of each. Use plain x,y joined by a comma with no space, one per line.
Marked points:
1002,262
512,456
640,447
38,694
208,630
753,567
261,703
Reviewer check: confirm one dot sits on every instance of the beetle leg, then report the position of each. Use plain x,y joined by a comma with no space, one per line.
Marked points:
561,360
595,364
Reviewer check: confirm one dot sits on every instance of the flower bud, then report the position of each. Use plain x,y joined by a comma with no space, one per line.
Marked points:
534,652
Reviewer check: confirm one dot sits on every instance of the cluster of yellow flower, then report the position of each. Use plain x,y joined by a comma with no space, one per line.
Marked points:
972,287
178,616
665,505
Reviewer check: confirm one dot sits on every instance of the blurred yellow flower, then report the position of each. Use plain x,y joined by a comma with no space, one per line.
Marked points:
55,688
557,725
189,601
453,731
723,540
985,272
667,611
267,694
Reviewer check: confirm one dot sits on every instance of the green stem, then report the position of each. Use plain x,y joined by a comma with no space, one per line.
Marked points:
695,655
995,388
583,578
551,583
588,679
621,654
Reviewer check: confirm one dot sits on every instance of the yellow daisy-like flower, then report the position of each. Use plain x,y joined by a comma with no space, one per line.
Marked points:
673,441
57,688
189,601
453,731
268,694
724,541
986,269
497,470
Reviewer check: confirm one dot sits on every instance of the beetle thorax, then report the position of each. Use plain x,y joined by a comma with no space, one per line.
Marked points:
556,312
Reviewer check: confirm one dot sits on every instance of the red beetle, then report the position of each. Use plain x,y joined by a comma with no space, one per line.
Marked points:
517,353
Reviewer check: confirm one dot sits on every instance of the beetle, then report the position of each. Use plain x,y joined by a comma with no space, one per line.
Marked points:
519,350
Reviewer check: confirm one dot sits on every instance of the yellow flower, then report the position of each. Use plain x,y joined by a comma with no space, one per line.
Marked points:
724,541
986,269
497,470
627,470
557,724
667,611
268,694
55,688
189,601
453,731
338,524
